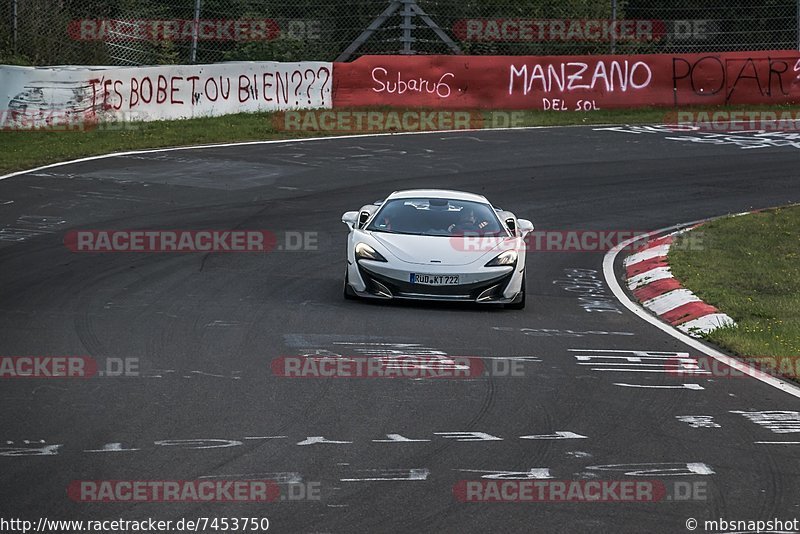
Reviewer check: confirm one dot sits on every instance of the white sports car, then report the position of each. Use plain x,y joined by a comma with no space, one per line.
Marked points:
436,245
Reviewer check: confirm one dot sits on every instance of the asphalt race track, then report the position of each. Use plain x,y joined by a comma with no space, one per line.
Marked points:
204,328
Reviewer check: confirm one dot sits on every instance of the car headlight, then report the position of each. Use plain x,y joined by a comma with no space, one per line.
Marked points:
509,257
366,252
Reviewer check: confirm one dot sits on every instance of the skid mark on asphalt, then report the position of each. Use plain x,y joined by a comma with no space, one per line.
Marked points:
279,477
592,292
399,353
554,332
30,226
746,140
693,387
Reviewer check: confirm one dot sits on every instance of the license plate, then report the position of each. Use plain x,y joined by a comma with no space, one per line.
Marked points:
435,279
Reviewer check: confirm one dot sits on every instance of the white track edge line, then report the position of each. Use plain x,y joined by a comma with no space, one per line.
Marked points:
300,140
297,140
278,141
611,280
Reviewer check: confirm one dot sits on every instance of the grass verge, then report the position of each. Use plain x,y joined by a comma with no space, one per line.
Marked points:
27,149
748,267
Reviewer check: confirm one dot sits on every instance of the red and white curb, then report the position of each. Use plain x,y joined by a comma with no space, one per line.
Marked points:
649,277
610,275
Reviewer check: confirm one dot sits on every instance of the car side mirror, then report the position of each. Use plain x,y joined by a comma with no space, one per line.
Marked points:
350,219
363,218
525,227
512,225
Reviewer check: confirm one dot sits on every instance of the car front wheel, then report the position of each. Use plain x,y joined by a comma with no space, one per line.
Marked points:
349,294
519,302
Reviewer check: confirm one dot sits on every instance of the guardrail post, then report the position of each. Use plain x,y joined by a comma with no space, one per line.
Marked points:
408,26
614,26
196,29
15,23
410,10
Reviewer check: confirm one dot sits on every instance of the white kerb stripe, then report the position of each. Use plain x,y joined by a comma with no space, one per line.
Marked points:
706,324
669,301
645,255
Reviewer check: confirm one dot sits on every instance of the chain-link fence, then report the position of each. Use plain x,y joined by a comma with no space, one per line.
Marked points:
141,32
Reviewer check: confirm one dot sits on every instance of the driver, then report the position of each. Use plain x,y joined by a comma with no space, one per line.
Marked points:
467,222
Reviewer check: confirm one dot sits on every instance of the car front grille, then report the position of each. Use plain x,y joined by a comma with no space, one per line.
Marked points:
485,290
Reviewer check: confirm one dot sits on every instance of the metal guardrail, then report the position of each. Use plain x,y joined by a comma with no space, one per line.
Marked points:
141,32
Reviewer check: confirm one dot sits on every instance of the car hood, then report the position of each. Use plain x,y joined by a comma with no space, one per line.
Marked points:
430,250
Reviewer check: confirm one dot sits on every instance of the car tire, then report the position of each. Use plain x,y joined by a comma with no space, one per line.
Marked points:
349,294
519,302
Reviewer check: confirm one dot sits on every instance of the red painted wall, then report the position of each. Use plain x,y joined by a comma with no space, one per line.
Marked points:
568,82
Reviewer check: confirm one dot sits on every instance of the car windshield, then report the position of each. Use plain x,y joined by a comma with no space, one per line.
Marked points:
437,217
